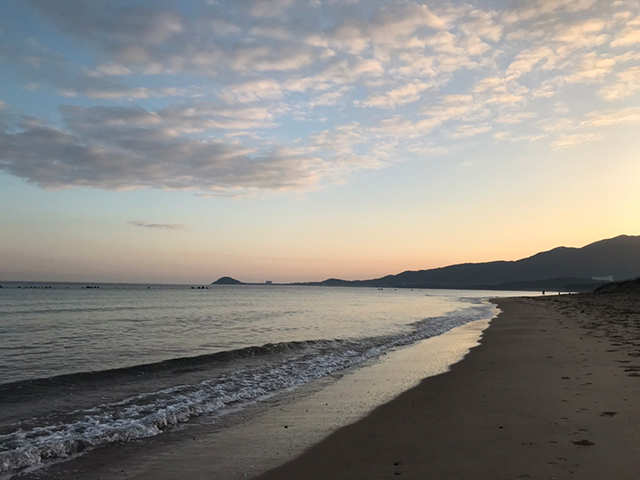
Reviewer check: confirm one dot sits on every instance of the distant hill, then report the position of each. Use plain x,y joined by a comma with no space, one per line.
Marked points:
227,281
629,286
562,268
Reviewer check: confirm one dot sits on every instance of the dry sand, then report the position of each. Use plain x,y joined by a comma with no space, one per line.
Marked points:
552,392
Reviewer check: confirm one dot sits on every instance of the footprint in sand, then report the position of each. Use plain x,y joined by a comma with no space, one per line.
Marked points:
583,443
608,414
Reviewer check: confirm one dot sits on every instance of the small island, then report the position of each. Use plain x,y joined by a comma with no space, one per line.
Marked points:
227,281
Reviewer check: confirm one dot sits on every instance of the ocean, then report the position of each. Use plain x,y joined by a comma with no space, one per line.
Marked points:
83,366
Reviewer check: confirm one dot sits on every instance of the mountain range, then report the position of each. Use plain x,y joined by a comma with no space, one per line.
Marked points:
560,269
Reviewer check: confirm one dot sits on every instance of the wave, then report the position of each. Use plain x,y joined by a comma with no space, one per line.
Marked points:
23,387
148,414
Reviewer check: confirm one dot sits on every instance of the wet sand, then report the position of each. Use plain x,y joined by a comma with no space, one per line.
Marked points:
552,392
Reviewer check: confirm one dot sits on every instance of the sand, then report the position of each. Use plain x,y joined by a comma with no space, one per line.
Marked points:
552,392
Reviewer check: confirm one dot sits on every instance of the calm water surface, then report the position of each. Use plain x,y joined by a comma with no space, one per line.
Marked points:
70,329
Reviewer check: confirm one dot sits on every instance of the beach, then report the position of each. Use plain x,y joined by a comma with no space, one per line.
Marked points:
138,378
552,392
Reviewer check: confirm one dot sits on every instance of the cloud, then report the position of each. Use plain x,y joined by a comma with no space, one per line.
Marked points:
122,25
157,226
253,91
220,27
608,118
341,139
99,151
399,96
268,8
111,69
399,126
500,90
457,107
401,19
627,83
483,24
573,140
117,92
543,58
204,116
161,40
43,66
514,117
509,136
538,8
225,98
466,131
590,68
558,125
630,35
349,72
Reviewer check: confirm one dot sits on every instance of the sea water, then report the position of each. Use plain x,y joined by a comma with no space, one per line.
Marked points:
83,366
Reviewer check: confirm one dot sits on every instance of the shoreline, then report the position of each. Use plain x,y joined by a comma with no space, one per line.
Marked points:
270,432
552,392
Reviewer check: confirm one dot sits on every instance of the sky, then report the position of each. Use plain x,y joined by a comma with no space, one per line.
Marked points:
297,140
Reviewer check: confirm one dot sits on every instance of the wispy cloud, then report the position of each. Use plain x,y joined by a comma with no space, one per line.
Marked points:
160,226
565,141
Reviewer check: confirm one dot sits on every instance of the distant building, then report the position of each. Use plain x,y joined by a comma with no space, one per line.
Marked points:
268,282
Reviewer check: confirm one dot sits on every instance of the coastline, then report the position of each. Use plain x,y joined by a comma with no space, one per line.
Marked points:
552,392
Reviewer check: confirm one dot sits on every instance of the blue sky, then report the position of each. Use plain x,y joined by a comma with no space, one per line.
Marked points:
295,140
